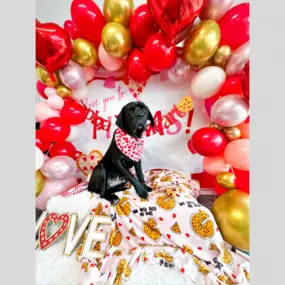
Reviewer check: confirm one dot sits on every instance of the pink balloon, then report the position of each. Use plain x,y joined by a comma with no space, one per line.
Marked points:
237,154
214,165
43,112
46,157
109,62
55,102
59,167
244,129
54,188
49,91
89,72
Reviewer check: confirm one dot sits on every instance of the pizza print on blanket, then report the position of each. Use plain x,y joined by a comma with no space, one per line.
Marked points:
202,225
122,269
86,163
226,257
115,236
204,269
123,207
176,229
165,202
151,230
185,105
226,279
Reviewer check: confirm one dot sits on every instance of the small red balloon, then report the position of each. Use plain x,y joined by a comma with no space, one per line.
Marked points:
63,148
231,86
71,29
53,46
208,142
40,143
174,16
242,179
88,19
219,189
54,129
245,80
234,26
136,67
41,89
73,113
142,25
159,52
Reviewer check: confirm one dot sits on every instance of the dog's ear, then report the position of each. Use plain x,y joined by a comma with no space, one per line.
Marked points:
150,118
120,119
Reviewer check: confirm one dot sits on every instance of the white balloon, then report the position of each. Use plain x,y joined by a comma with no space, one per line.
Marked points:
55,102
79,94
207,82
40,158
74,134
49,91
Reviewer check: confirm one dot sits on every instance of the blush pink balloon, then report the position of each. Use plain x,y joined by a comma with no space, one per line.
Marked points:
46,158
214,165
54,188
55,102
109,62
89,72
237,154
43,112
244,130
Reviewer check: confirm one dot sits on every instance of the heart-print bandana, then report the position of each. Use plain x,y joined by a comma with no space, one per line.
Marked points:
129,146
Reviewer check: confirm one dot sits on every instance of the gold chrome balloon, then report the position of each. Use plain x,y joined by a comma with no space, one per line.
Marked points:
116,40
118,11
84,53
45,78
215,126
40,182
231,212
202,42
222,56
226,180
232,133
63,91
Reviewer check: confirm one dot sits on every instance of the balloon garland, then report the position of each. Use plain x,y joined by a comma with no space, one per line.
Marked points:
137,43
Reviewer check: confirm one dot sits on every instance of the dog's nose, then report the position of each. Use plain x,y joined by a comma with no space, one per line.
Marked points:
140,115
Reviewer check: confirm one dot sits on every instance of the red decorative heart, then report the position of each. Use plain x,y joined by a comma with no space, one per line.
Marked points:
45,241
234,276
187,235
119,224
130,221
174,215
183,251
142,238
174,16
92,265
53,46
161,219
199,248
168,236
182,270
128,238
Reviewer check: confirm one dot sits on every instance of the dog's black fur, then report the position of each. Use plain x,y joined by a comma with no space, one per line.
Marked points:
112,172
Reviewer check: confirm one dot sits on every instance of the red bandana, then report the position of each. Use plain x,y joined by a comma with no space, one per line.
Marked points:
129,146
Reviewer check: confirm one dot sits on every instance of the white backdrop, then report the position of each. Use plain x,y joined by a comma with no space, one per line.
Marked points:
166,150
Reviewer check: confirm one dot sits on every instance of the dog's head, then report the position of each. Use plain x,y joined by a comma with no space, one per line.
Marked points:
133,118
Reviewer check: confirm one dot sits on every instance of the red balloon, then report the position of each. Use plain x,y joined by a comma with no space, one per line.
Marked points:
73,113
174,16
160,53
63,148
136,67
71,29
41,89
234,26
245,80
208,142
53,46
54,129
88,19
142,26
242,179
40,143
219,189
231,86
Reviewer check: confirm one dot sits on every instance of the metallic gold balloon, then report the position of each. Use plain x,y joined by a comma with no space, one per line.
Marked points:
215,126
118,11
40,182
222,56
116,40
231,212
44,77
63,91
226,180
202,42
232,133
84,53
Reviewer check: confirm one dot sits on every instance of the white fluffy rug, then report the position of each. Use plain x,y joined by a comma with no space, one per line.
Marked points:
52,268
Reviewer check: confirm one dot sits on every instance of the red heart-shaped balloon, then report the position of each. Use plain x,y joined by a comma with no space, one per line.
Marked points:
174,16
69,26
245,81
88,19
53,46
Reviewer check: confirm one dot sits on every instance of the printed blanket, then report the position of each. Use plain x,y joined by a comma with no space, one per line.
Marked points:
169,228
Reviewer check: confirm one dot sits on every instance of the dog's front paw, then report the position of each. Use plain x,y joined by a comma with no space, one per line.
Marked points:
113,199
141,191
148,189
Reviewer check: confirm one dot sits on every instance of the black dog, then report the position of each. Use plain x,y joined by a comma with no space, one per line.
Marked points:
112,172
